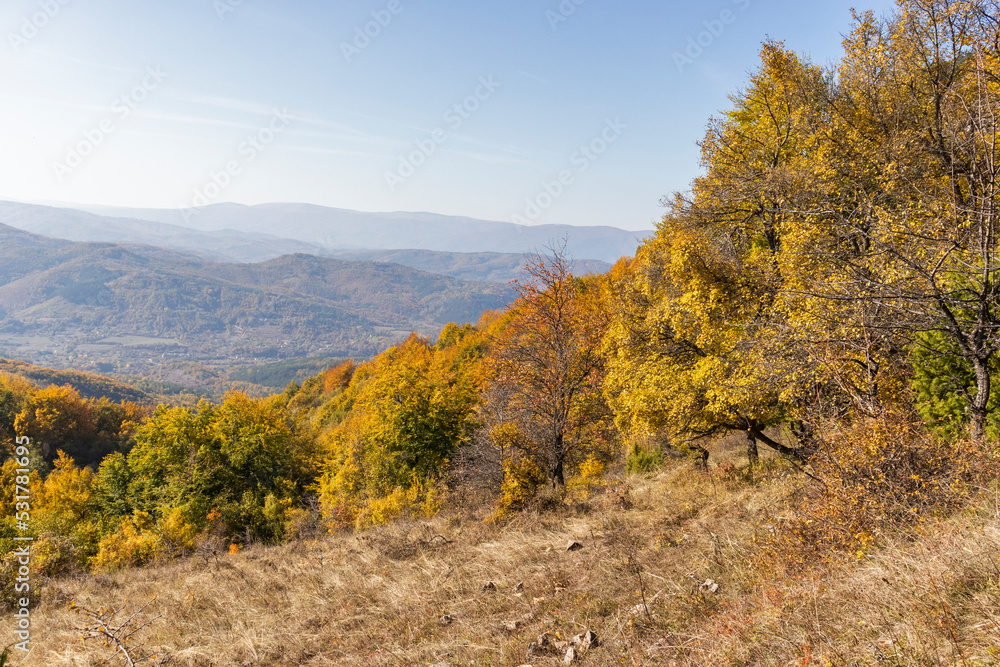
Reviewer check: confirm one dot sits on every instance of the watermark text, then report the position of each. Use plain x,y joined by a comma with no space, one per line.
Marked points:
22,514
580,162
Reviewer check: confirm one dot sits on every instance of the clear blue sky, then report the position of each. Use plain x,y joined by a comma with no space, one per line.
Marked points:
141,103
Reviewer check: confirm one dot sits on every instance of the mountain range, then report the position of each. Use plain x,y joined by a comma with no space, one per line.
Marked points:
229,292
136,309
238,233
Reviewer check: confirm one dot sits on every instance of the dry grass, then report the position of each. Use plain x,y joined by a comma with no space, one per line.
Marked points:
416,593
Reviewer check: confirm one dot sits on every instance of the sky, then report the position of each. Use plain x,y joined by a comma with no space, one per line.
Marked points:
579,112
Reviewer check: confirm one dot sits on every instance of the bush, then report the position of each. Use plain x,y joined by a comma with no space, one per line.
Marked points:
590,475
53,555
643,458
179,529
521,479
302,524
418,499
874,475
134,543
50,556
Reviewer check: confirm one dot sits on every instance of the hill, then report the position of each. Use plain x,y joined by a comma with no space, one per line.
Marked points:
134,309
489,266
90,385
227,245
267,241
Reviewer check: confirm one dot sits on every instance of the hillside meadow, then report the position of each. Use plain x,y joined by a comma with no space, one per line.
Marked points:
456,590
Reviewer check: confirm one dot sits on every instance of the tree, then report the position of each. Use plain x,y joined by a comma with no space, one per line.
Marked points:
906,229
14,395
545,369
59,419
844,216
230,457
696,347
402,417
338,377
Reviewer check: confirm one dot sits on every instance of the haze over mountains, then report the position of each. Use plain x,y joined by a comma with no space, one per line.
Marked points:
235,232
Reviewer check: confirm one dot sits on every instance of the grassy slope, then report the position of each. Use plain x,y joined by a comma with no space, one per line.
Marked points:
378,598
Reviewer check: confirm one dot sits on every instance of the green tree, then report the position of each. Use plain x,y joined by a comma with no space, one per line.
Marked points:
231,457
406,412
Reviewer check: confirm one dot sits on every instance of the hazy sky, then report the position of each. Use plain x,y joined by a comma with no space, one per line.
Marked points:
539,111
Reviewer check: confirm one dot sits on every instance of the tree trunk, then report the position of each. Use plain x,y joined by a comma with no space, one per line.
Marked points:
777,446
558,453
980,404
702,461
753,455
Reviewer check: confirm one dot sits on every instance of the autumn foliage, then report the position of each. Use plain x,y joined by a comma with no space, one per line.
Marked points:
828,288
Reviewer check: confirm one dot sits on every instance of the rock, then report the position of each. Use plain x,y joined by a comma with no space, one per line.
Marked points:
573,546
709,586
490,587
519,588
570,656
512,626
446,620
587,640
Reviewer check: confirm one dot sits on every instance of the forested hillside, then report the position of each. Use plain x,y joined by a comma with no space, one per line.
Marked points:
132,309
769,438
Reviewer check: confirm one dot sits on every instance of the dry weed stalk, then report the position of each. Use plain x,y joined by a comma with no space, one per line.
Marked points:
104,626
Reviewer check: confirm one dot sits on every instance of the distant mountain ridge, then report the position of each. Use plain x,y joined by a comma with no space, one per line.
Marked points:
494,267
83,226
340,229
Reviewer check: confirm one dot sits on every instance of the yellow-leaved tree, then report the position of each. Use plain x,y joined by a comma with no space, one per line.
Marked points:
543,396
698,344
406,412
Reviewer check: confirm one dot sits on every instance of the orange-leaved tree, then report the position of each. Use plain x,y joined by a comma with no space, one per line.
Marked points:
545,369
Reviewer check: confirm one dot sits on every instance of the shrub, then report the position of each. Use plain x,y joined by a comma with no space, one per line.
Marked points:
53,555
302,524
876,474
417,499
178,529
590,475
134,543
521,479
643,458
